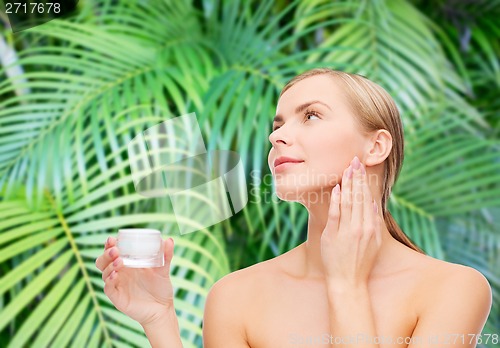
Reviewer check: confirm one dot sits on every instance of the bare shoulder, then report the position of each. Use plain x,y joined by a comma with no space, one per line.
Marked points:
237,289
226,307
233,288
452,298
449,289
447,276
242,281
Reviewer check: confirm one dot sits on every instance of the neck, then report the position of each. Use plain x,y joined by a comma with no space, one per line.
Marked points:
312,267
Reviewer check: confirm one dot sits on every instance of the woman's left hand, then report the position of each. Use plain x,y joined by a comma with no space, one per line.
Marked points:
352,236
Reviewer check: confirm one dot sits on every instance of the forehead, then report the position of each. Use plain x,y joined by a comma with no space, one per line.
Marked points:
318,87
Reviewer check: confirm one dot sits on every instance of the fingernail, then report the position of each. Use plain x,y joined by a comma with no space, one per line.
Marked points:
355,162
107,241
336,189
112,275
115,263
349,172
375,208
112,252
363,171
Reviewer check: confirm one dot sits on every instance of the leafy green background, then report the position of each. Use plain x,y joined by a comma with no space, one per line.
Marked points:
74,92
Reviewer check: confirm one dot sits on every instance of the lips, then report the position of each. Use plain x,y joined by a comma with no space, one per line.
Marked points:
283,159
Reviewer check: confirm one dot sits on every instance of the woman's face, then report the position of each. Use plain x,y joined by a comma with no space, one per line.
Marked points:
313,124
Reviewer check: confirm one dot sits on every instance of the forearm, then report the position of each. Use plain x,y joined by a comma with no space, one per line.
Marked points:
352,322
164,332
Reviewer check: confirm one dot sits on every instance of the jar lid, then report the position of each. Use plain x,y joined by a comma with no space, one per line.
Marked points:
139,231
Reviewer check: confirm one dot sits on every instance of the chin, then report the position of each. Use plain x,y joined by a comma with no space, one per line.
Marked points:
288,195
304,186
306,195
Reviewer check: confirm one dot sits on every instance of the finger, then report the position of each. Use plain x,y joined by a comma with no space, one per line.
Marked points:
168,254
107,257
346,200
332,225
110,284
368,213
116,265
110,242
357,224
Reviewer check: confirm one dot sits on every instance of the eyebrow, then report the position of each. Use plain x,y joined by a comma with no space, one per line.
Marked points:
300,108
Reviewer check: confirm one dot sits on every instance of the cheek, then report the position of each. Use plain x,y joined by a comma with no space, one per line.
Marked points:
325,173
325,153
329,159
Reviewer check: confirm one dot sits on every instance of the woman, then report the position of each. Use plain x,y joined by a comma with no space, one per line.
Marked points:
357,281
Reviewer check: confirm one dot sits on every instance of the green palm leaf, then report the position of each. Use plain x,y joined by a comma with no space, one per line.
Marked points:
75,237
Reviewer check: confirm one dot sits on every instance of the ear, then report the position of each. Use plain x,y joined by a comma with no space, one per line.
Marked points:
378,148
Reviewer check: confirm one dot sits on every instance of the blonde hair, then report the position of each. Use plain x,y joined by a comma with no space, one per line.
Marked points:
374,109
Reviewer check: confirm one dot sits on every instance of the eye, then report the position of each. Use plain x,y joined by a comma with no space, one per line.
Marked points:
311,113
307,113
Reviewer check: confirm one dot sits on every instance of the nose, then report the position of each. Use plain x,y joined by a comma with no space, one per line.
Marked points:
279,137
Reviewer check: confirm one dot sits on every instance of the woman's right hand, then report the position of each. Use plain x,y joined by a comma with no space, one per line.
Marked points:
143,294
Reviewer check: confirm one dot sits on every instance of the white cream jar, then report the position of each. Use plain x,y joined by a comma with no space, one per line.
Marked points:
140,247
